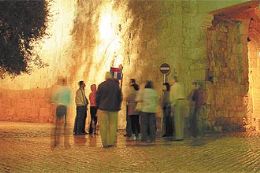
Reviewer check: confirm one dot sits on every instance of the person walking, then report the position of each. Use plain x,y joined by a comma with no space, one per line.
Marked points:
131,109
93,109
177,99
108,100
166,106
197,122
81,115
61,98
148,98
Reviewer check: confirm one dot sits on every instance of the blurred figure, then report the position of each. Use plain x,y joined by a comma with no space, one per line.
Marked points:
177,99
108,99
149,100
93,109
128,129
166,106
81,115
132,114
61,98
196,116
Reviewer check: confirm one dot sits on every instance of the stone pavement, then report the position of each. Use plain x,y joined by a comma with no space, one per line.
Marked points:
26,147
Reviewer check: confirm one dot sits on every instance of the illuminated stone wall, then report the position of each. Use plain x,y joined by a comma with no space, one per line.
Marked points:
26,105
228,98
140,35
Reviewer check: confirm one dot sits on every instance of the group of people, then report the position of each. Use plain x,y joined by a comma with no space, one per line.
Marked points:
82,107
141,109
106,99
142,106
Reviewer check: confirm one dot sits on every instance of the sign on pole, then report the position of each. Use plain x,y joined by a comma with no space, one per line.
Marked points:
165,69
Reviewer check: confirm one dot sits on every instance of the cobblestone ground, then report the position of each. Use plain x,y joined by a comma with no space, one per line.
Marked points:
26,147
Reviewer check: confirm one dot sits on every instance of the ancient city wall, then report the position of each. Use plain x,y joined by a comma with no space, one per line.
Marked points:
140,35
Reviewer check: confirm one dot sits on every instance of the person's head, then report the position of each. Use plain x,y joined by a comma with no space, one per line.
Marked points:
149,84
166,86
108,75
82,84
93,87
132,82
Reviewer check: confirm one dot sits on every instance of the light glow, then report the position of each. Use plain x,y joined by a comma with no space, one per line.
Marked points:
53,50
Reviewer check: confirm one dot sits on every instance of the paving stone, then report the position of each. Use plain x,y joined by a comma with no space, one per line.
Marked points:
26,147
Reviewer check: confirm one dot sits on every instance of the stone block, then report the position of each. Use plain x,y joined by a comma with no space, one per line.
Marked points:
44,114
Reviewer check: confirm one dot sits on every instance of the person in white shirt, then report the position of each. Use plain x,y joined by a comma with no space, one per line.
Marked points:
177,99
148,98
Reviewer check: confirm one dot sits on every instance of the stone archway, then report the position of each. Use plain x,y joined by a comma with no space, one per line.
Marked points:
233,48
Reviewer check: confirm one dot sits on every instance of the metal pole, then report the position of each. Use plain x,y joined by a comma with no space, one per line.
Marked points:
164,78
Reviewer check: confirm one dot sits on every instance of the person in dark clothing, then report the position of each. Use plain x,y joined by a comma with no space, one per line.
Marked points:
196,116
108,100
81,103
128,118
131,110
166,106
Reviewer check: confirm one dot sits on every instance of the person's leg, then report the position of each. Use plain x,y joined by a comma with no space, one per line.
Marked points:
200,123
84,117
168,125
113,119
164,123
135,123
77,125
178,121
194,127
65,128
80,120
60,114
138,124
76,121
128,126
95,119
131,118
92,115
55,133
103,122
182,115
144,126
152,126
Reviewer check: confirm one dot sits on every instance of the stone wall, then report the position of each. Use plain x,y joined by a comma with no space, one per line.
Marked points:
26,105
149,33
228,71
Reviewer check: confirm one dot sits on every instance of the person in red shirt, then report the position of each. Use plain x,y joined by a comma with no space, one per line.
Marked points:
93,109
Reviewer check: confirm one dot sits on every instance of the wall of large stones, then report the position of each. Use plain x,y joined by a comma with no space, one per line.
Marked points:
153,32
228,64
26,105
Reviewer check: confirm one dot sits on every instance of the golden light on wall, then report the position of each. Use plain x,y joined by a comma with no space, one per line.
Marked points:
109,50
54,49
